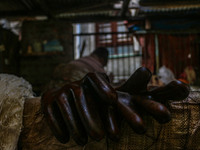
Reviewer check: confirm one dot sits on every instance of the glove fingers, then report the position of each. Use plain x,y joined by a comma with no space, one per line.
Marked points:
67,107
175,90
157,110
137,83
53,117
88,112
126,107
101,87
111,123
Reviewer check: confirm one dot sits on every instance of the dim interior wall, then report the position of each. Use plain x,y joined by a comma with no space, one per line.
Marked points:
38,70
37,34
37,62
9,52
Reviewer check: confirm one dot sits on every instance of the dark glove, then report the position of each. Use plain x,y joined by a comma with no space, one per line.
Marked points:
89,107
153,100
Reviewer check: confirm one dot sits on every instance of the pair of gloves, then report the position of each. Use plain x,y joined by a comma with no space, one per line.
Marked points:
92,107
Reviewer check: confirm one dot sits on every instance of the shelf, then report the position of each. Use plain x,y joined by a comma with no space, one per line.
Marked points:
38,54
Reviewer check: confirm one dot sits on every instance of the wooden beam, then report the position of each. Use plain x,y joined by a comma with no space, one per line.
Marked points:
45,9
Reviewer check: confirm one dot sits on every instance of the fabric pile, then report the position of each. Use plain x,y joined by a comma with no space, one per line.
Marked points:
13,93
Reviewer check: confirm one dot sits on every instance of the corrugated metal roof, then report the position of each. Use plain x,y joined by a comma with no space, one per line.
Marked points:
80,10
163,2
167,8
171,9
50,7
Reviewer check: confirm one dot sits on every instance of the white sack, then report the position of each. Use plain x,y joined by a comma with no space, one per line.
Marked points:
13,92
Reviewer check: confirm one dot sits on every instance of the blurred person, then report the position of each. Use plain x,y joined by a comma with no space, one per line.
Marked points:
77,69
